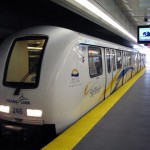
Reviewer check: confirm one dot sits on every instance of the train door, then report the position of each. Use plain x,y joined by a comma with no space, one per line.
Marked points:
139,62
94,83
124,66
114,71
119,74
129,66
142,61
109,74
134,63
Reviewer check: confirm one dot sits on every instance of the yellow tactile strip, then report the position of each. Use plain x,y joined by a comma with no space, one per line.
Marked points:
68,139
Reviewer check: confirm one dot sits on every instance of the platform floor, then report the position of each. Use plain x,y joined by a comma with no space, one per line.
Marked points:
124,126
127,125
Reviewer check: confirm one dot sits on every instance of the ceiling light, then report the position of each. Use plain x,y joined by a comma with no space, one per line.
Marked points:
135,19
127,6
102,15
124,1
131,13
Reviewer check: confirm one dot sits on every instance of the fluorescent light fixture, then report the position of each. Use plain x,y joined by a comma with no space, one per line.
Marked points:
124,1
127,6
135,19
102,15
34,113
4,108
131,13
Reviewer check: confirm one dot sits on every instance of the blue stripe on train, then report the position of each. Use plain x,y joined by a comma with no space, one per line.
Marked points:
124,71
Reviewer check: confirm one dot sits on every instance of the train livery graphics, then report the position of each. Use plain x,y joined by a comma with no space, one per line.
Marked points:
92,88
51,76
21,99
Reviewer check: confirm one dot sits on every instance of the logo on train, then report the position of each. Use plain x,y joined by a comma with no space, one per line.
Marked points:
75,79
92,88
21,99
75,73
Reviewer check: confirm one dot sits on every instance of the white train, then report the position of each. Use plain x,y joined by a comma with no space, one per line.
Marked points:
51,76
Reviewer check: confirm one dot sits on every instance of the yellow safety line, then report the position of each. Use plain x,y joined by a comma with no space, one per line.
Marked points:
69,138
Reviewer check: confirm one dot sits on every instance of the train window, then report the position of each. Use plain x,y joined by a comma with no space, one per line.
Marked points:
134,59
125,60
114,60
108,60
143,59
128,58
119,59
24,62
95,61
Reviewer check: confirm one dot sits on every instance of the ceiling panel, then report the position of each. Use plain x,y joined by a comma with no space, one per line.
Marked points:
137,11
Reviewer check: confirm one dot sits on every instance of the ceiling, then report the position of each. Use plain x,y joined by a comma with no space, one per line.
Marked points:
16,15
137,11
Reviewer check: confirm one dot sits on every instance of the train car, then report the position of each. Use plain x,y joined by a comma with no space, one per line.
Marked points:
51,76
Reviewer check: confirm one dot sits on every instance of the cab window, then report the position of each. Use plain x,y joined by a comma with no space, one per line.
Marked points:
24,62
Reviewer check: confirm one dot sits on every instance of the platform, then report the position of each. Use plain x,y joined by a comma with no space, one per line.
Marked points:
121,122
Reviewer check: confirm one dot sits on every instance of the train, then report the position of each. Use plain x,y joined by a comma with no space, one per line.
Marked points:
52,76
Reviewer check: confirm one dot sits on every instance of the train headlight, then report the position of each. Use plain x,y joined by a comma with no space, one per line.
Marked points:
34,113
4,108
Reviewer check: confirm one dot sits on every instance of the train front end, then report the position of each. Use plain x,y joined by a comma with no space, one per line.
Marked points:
20,102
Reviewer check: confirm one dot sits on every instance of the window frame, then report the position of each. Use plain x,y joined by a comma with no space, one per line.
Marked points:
119,51
97,48
114,67
108,59
129,58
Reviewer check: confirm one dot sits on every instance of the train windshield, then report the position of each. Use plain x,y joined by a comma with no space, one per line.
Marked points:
24,62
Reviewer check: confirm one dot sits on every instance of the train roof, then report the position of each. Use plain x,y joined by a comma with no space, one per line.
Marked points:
58,32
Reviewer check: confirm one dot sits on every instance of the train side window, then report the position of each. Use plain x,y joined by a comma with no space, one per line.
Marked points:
143,59
125,59
129,58
114,60
119,59
134,59
108,60
95,61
